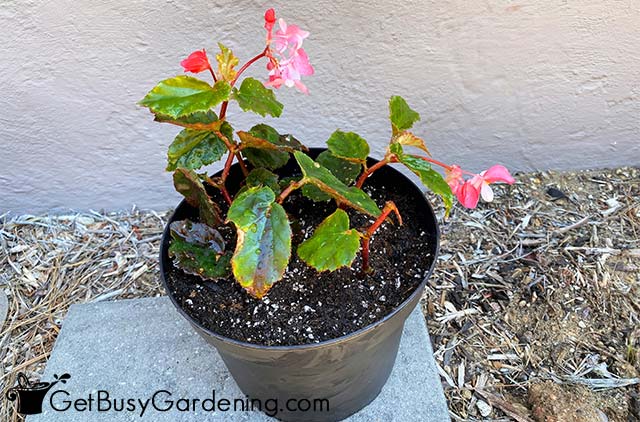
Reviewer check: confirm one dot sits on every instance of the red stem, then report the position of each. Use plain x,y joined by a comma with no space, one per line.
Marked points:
292,186
227,165
392,159
241,163
226,195
389,206
249,63
213,74
225,173
232,147
365,255
386,160
221,187
432,161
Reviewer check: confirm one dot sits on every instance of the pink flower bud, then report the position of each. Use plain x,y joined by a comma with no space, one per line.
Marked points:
269,19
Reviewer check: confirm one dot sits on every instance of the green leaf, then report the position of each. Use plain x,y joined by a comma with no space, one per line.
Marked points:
401,115
409,139
199,250
189,185
315,193
183,95
193,149
198,117
348,145
333,244
344,170
263,177
428,176
263,146
226,63
321,177
263,247
254,96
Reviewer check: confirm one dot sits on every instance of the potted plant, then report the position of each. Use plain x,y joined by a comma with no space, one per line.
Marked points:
299,265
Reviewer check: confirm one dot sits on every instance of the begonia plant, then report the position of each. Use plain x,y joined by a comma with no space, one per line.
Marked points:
264,236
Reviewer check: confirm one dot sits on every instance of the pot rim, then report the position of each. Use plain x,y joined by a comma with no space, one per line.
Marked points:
325,343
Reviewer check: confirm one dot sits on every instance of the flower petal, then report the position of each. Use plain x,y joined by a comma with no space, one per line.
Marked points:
498,173
196,62
486,192
302,87
468,194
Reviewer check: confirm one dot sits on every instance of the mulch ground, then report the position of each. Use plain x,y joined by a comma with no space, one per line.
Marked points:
533,311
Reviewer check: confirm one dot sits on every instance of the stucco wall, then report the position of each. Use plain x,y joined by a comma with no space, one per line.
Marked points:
534,85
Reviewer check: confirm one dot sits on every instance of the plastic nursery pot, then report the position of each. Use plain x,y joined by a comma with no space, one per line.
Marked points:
348,371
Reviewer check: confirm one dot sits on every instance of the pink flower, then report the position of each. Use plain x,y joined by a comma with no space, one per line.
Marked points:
469,192
290,61
454,177
289,36
196,62
495,174
289,71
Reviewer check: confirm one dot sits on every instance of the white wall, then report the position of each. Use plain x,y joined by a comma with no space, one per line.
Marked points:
534,85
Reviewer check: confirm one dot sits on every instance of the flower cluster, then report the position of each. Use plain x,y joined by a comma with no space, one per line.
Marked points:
469,191
288,61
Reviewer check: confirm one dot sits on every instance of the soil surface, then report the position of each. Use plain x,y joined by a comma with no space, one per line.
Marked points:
307,306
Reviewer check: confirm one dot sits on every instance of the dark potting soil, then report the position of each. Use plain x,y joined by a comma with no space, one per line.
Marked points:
307,306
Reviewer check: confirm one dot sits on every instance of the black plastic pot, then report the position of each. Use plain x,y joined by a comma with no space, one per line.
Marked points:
348,371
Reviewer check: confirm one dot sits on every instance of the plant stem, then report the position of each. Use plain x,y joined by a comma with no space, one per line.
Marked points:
226,195
389,206
232,146
213,74
386,160
292,186
225,174
249,63
241,163
221,187
432,161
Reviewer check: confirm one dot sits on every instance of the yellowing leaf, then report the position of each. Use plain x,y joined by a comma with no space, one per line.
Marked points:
411,140
263,247
226,63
